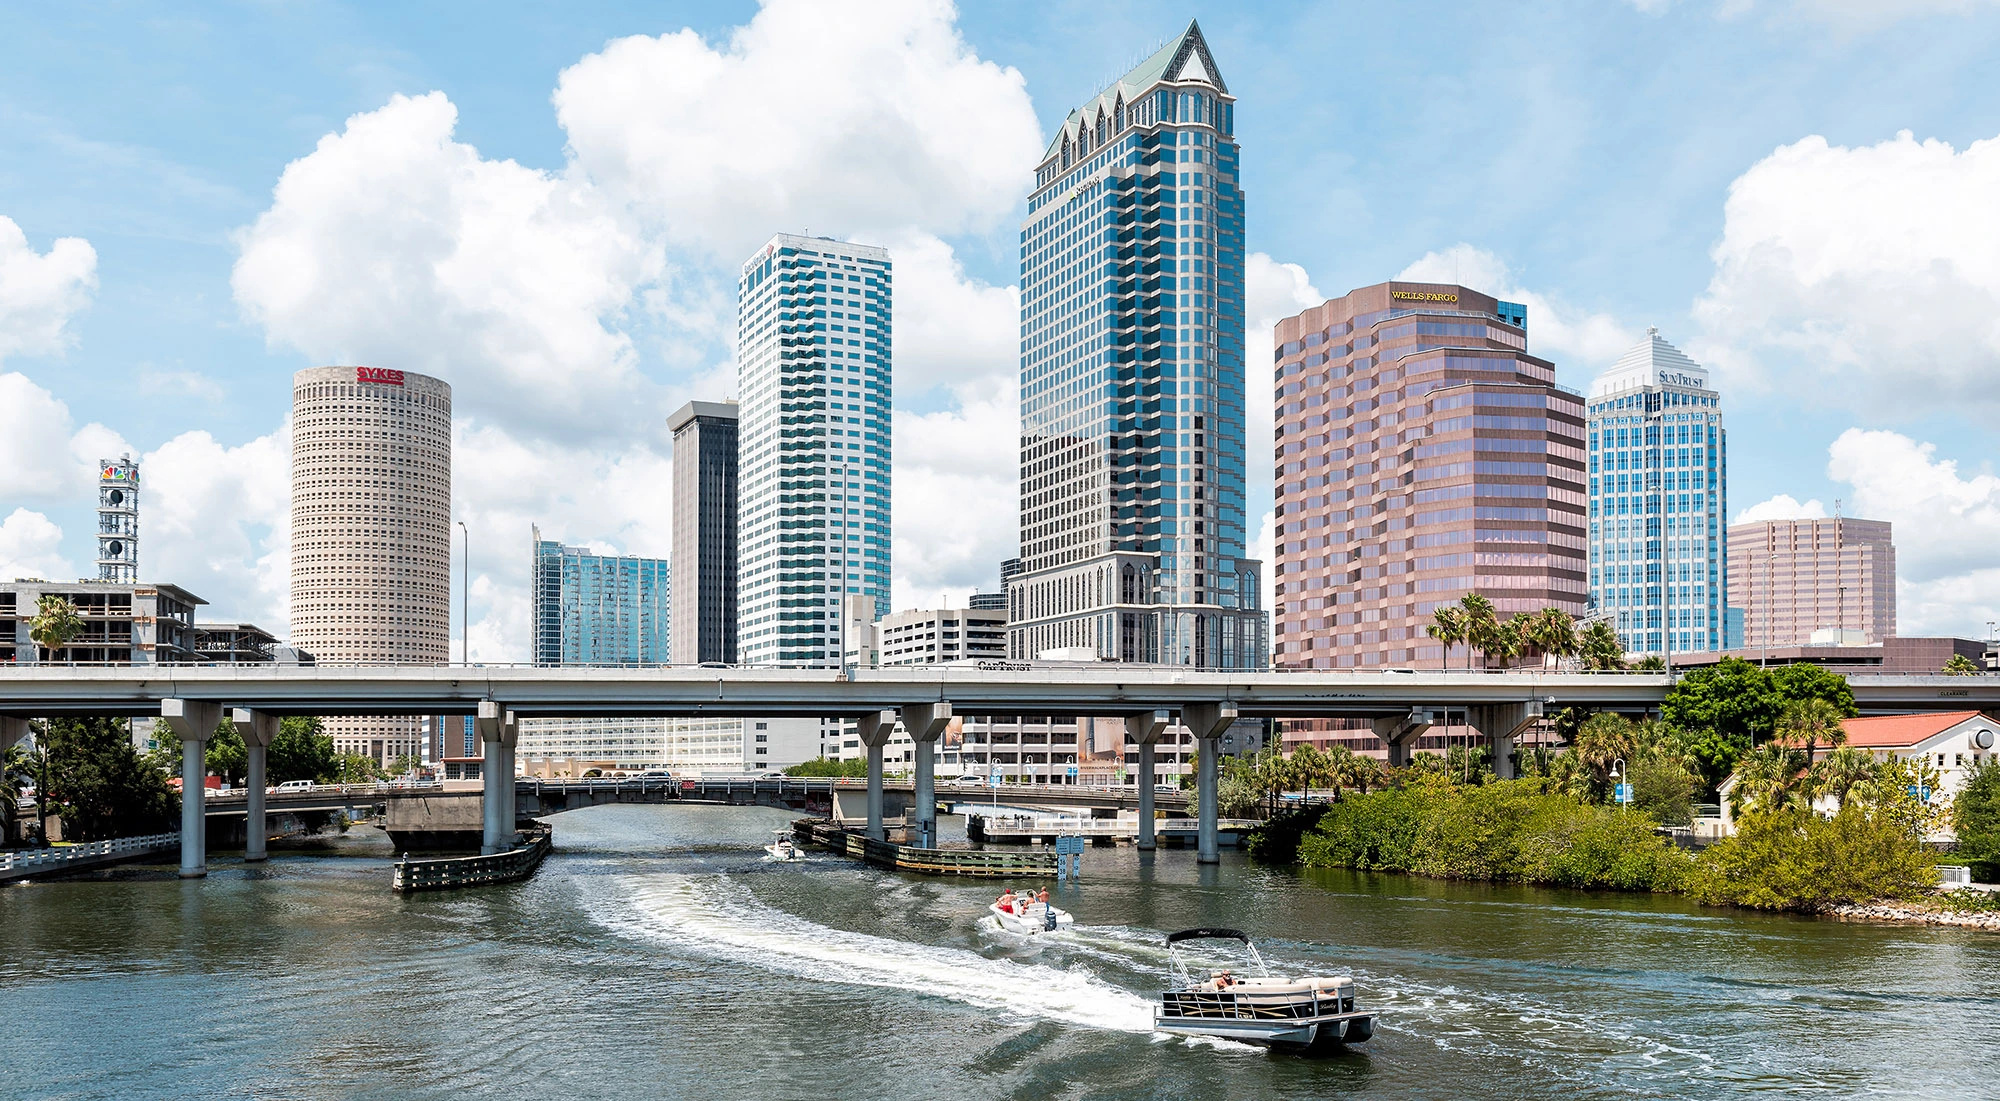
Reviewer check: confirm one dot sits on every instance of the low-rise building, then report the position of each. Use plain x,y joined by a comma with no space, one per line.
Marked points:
1953,742
685,745
143,623
935,636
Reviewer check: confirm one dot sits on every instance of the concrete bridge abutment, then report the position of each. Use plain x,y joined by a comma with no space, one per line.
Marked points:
498,733
1207,722
193,722
1144,728
925,723
1399,734
875,728
257,728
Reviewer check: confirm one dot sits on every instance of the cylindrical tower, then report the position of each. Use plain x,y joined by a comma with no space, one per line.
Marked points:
371,531
118,520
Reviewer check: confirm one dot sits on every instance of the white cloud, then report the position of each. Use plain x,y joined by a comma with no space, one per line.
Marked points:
1870,275
1272,291
950,331
31,546
1843,15
861,119
955,504
216,520
1581,344
393,244
40,292
35,458
1782,507
193,384
1946,528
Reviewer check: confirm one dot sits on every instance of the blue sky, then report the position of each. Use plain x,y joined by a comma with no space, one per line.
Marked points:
1614,164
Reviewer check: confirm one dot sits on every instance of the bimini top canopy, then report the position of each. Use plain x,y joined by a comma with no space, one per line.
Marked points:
1207,934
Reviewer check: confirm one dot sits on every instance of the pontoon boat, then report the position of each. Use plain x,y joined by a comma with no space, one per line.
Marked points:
1292,1014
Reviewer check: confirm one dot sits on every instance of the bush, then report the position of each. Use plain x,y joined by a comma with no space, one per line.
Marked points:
1976,820
1793,859
1663,790
820,766
1277,840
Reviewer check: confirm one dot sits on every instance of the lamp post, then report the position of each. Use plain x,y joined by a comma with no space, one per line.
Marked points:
465,597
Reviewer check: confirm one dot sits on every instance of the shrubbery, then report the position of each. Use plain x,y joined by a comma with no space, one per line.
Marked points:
1976,819
1794,859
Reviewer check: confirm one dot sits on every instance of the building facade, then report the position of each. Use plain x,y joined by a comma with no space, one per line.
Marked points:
813,381
685,745
597,609
123,624
933,636
118,520
371,531
1132,514
1794,579
1659,478
704,556
1421,454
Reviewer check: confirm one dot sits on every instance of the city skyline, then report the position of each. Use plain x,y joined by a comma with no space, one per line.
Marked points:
561,402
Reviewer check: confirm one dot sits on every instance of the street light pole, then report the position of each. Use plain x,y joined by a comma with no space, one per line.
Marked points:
465,597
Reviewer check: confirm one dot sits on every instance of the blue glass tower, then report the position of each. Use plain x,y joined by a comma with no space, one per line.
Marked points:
1132,515
597,609
1659,478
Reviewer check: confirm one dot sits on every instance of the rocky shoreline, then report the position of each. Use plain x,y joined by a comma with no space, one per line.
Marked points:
1916,912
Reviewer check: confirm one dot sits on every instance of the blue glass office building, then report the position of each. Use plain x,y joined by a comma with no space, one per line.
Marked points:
1659,478
1132,514
597,609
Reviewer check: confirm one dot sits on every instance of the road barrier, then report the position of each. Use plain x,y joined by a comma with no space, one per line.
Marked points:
60,858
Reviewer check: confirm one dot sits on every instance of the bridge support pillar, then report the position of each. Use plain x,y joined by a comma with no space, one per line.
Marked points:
1144,729
257,729
1502,724
875,728
1399,734
496,776
12,732
925,722
1207,721
193,721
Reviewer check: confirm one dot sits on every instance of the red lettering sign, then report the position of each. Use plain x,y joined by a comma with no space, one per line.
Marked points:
381,375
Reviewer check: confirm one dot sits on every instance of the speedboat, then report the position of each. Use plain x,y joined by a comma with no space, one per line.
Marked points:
1303,1014
783,847
1028,917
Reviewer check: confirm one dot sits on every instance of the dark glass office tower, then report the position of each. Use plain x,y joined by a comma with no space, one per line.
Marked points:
704,611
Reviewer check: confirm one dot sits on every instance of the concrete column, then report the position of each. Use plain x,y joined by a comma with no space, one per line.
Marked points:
925,722
1207,721
257,728
1502,724
1399,734
193,721
496,776
1145,729
875,728
13,731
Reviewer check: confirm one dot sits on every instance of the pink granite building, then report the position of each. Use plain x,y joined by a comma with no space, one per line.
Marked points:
1794,578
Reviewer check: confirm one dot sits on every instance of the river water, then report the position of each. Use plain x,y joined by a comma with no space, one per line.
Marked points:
657,956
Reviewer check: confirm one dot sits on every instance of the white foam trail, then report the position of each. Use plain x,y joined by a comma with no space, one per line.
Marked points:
731,925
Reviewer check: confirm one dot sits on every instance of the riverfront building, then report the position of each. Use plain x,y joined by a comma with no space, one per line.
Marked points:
596,609
1421,454
933,636
371,537
1800,582
704,557
1132,516
1659,477
813,377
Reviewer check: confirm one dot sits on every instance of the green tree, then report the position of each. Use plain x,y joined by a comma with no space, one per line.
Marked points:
1600,648
1553,632
1482,625
406,765
1802,681
1447,625
1770,778
1976,818
301,750
55,623
1845,771
1604,740
227,756
1810,722
354,768
1793,859
823,767
1652,663
100,784
1724,706
1960,666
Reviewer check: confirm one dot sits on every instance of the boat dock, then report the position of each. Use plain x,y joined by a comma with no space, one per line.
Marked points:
1024,829
977,863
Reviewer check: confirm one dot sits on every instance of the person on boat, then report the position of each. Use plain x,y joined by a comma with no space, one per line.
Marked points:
1007,900
1043,898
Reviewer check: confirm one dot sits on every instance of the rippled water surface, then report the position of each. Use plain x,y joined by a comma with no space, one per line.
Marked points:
657,955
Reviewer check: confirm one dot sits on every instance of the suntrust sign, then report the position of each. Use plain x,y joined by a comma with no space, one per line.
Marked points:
1424,296
381,376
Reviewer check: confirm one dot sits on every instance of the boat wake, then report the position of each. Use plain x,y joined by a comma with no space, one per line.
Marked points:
715,918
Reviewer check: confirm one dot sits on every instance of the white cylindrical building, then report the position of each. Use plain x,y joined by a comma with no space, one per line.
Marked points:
371,531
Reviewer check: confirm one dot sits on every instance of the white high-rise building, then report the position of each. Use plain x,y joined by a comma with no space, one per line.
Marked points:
1659,475
813,381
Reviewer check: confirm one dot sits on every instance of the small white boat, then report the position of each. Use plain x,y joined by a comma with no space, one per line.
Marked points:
1029,917
1303,1014
783,847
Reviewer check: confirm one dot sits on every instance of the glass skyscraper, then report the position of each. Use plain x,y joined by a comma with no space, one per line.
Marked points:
813,378
1659,476
597,609
1132,519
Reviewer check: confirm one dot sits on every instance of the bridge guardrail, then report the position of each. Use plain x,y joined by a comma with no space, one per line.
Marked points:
453,872
61,856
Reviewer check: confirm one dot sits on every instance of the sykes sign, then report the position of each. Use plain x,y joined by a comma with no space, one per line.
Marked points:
381,376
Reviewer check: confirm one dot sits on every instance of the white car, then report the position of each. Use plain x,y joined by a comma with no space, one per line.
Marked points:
290,786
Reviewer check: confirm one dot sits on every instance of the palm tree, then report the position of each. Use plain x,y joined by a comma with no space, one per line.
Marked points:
1521,627
1362,772
1843,771
1811,721
1481,624
1554,633
1960,666
55,623
1600,647
1770,777
1448,627
1604,739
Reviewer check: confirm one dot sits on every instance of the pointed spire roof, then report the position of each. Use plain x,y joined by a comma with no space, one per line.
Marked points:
1651,362
1184,59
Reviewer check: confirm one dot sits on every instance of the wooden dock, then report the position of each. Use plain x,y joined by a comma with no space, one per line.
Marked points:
978,863
1021,829
452,872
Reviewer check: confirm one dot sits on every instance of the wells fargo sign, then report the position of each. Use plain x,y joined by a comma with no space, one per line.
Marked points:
1424,296
380,375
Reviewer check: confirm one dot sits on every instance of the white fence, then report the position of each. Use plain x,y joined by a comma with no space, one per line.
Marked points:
60,856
